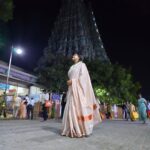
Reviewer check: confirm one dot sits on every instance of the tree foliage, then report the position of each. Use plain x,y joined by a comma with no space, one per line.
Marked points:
6,10
52,72
3,35
117,81
6,14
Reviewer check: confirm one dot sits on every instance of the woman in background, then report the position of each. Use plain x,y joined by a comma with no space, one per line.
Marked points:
23,109
148,109
142,109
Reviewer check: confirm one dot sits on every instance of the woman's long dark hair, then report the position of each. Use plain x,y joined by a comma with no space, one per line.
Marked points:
79,54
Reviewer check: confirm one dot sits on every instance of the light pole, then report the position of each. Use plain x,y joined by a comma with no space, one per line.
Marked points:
19,52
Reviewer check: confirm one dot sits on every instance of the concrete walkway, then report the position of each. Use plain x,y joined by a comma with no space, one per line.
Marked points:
109,135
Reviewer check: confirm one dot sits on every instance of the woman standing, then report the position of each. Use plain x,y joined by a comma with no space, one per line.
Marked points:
82,110
148,111
132,110
115,111
142,108
23,110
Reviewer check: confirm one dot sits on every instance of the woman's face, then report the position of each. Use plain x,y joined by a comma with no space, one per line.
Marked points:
75,58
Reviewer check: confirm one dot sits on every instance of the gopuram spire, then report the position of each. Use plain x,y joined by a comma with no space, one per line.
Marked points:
75,30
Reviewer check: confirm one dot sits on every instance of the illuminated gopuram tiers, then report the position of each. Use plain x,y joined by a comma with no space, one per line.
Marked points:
75,30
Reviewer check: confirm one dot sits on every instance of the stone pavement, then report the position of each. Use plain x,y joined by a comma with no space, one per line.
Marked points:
109,135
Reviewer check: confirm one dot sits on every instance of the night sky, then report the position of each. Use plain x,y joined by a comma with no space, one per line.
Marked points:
123,24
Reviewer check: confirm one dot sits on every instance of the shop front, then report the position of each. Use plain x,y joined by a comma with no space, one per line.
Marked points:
20,84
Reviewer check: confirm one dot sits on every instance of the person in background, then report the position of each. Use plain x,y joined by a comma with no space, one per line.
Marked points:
23,109
148,109
57,108
63,103
16,106
44,108
132,110
125,111
128,110
27,98
3,106
56,100
115,108
30,107
142,108
108,114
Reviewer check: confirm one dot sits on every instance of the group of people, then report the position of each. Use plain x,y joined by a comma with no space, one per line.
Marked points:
128,110
142,112
110,111
52,104
23,107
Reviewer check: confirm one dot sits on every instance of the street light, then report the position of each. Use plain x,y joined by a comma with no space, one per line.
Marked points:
17,51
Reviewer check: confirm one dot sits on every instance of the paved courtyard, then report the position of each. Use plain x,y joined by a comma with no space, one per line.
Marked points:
109,135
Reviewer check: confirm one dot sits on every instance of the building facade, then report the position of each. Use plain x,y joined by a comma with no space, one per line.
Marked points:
20,82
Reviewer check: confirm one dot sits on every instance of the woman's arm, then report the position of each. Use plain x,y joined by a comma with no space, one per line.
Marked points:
69,82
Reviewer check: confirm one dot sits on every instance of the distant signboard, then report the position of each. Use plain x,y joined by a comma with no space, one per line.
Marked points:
55,96
3,86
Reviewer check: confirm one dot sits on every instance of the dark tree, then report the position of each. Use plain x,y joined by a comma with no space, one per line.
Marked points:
6,10
6,14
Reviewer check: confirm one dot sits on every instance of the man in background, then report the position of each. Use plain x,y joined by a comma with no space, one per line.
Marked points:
30,107
63,103
16,106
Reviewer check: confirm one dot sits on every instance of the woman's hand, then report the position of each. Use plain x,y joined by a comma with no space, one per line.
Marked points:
69,82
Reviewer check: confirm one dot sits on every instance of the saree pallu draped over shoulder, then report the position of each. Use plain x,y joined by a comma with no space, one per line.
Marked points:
82,110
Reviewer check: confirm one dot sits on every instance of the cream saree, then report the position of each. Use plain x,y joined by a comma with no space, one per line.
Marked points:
82,110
